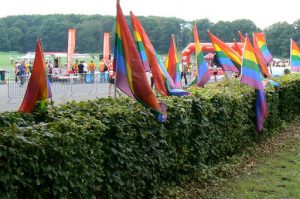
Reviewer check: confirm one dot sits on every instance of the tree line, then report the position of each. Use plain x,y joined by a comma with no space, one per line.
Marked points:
19,33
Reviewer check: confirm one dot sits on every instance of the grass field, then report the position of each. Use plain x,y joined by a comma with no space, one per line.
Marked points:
275,176
5,58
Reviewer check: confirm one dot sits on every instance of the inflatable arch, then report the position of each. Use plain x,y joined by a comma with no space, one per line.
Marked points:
206,48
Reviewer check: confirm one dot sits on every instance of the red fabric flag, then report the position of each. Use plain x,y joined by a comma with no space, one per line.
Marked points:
37,88
237,48
242,38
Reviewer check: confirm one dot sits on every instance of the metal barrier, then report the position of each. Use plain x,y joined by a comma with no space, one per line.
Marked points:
63,86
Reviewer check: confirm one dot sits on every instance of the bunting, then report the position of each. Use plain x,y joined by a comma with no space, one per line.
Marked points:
251,76
295,56
130,76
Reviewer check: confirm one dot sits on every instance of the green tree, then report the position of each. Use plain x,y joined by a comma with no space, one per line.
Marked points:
15,35
4,41
278,38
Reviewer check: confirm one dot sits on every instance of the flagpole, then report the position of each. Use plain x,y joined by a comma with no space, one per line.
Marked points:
115,87
291,53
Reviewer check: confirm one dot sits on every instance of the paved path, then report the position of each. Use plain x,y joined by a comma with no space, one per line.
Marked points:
11,95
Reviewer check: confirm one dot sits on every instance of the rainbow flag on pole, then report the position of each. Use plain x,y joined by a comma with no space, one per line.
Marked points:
260,43
38,88
142,52
251,75
203,75
295,56
226,55
162,80
130,74
172,63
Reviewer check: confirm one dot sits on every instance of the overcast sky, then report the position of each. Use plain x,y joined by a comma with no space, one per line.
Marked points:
262,12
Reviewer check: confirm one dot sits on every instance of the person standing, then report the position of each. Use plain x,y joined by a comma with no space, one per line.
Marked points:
184,72
102,70
80,70
215,72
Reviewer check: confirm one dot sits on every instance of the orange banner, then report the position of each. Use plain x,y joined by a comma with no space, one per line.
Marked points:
106,49
71,47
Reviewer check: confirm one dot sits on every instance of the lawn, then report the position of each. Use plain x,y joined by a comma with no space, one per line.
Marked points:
274,175
5,58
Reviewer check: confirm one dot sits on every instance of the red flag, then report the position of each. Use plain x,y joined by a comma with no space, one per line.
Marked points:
237,48
37,88
242,38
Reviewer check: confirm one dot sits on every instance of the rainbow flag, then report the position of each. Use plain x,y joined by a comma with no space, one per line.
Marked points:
260,43
227,57
162,80
242,38
172,63
295,56
37,89
251,76
142,52
130,75
261,61
203,75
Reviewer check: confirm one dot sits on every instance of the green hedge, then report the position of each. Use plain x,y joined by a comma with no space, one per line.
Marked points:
109,148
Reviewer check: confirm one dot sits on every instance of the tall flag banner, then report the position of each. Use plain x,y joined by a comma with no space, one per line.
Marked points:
172,63
226,55
130,75
295,56
106,47
259,42
71,47
203,75
37,89
251,76
237,48
242,38
162,80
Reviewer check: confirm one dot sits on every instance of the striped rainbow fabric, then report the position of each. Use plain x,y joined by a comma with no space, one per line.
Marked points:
38,88
226,55
162,80
203,75
251,76
142,52
130,75
295,56
172,63
259,41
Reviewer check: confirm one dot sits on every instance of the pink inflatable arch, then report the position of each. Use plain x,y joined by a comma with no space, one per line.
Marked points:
206,47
